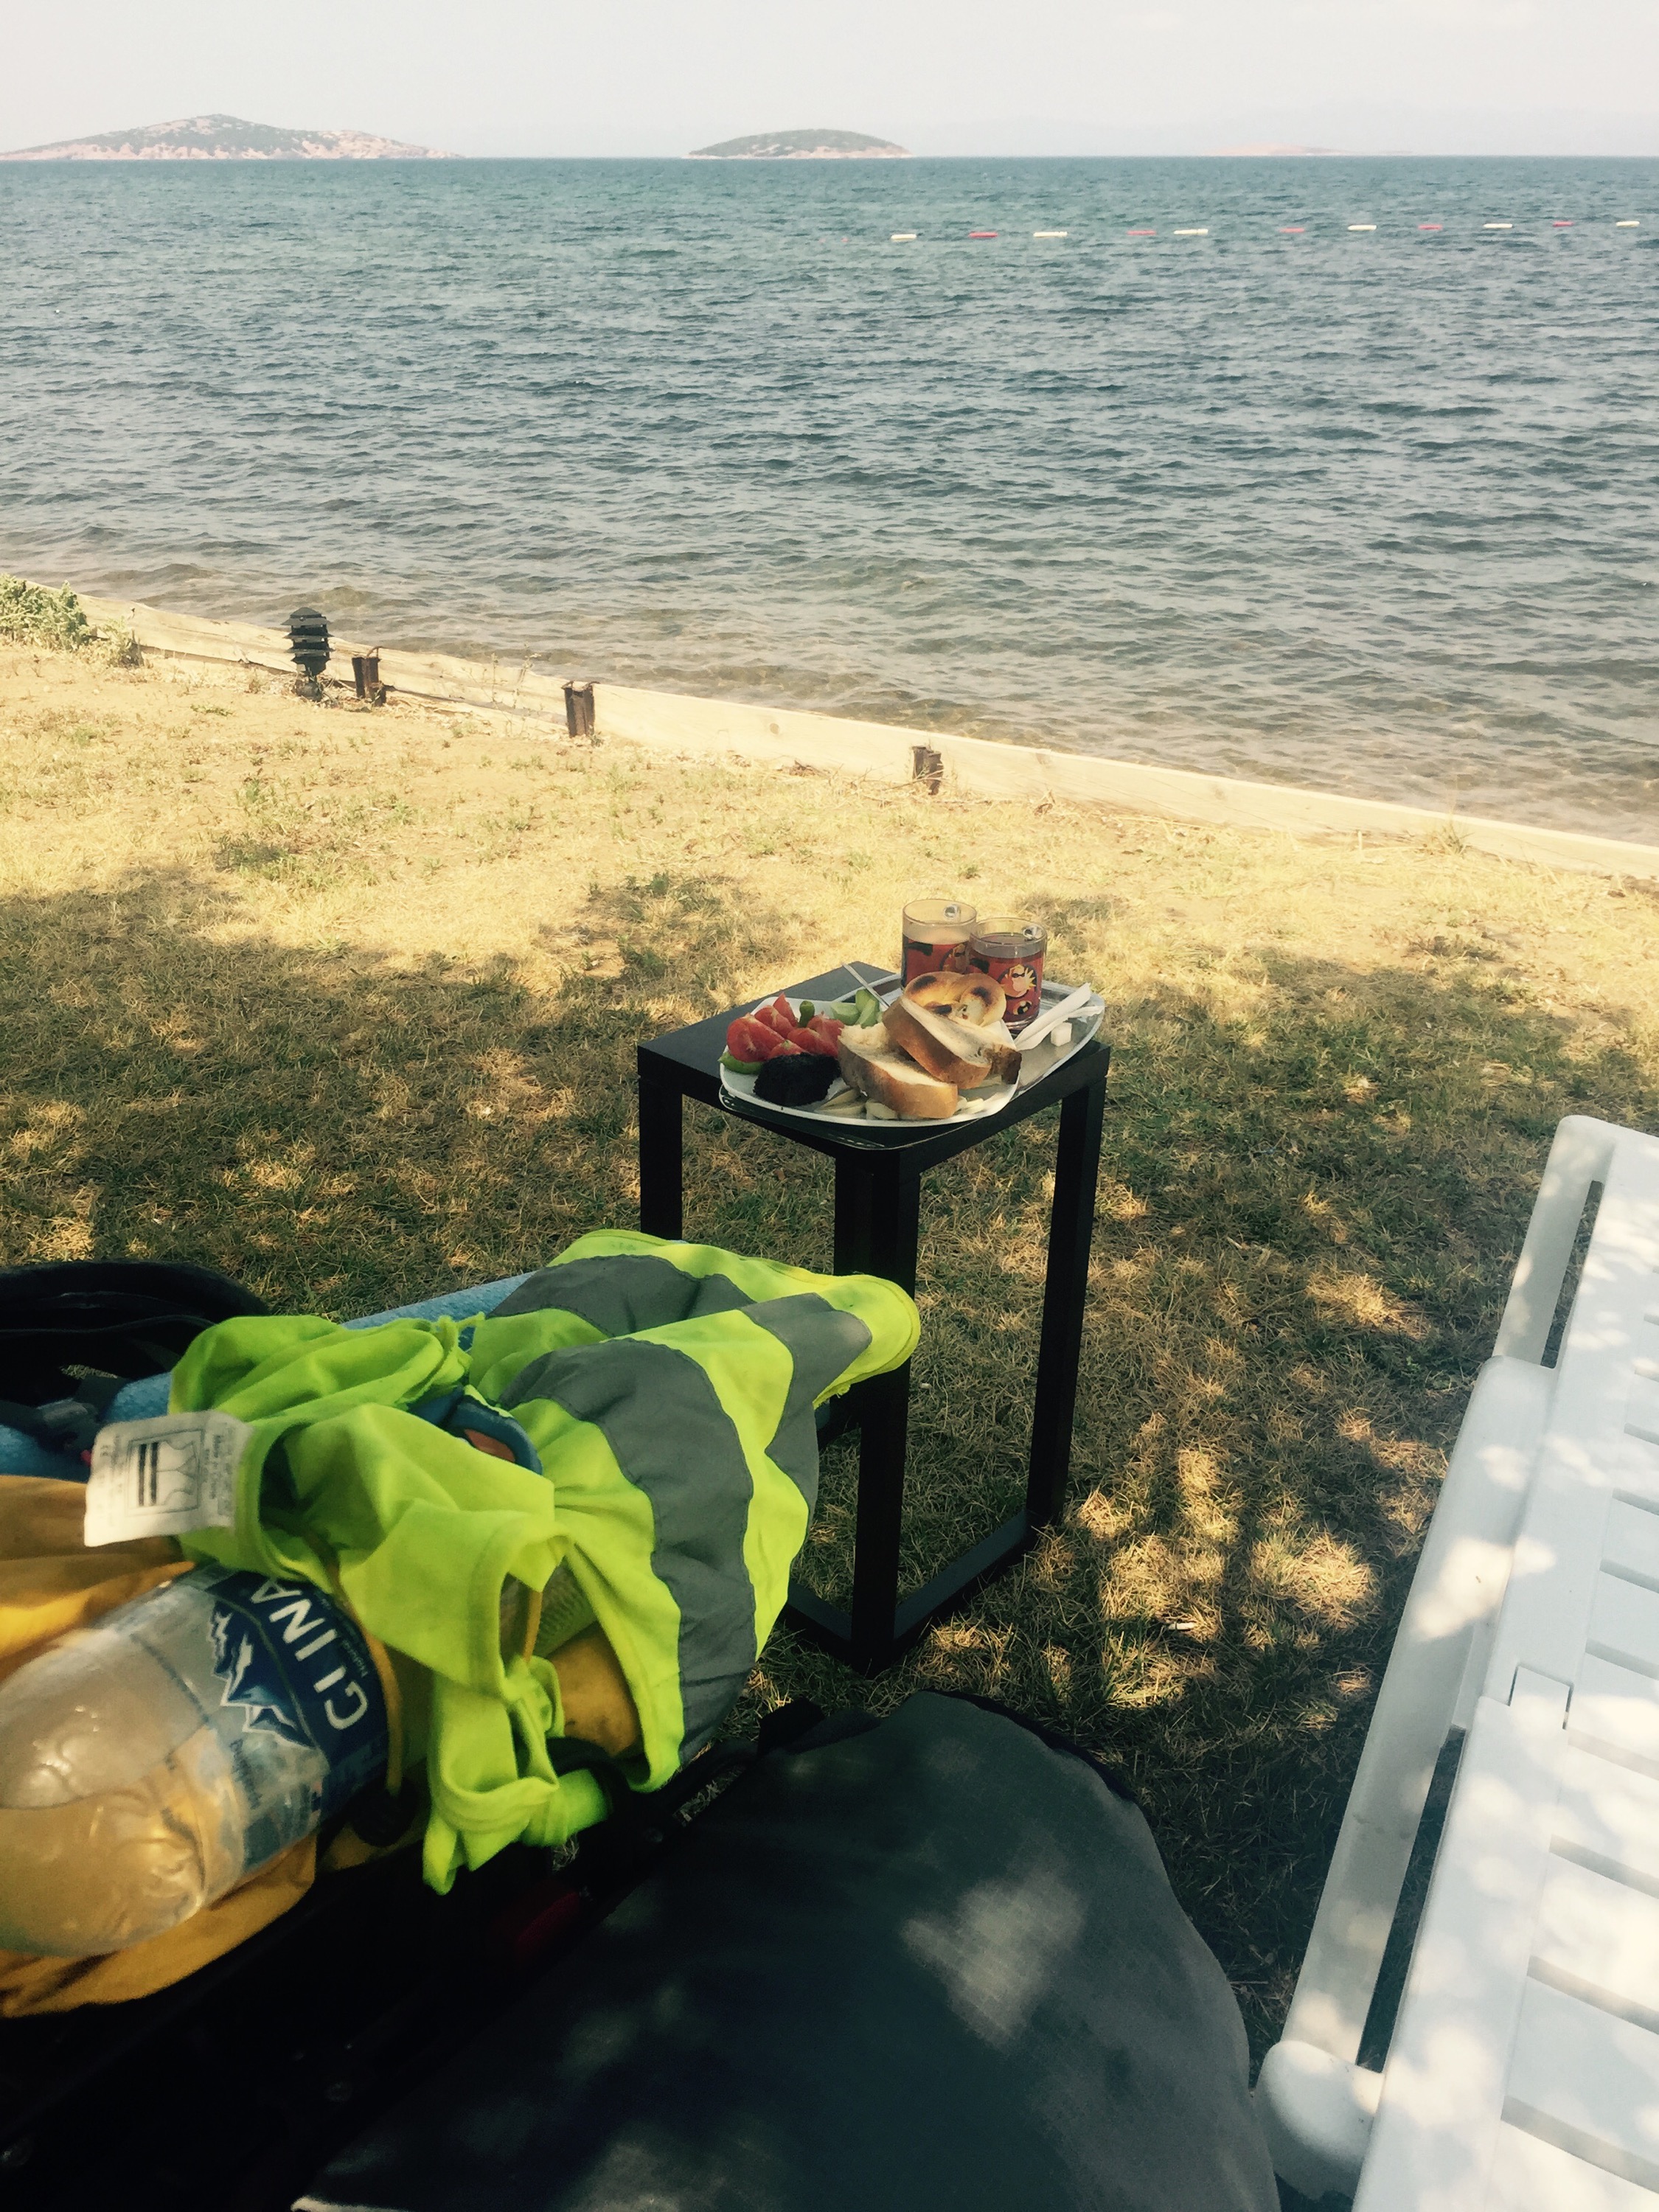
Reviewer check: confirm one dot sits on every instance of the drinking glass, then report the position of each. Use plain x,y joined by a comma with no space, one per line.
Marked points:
937,933
1010,948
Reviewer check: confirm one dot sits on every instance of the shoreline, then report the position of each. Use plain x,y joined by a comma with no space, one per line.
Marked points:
885,752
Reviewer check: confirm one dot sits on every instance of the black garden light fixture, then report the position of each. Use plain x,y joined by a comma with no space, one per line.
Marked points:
307,638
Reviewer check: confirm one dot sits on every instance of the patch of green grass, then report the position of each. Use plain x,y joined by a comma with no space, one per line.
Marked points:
32,615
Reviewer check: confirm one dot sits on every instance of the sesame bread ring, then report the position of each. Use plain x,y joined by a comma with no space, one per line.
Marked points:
974,998
966,1046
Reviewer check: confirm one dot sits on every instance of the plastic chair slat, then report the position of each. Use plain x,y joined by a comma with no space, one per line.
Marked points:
1530,2176
1587,2082
1599,1938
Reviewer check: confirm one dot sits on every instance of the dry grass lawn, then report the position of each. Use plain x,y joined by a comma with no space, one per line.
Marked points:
345,1003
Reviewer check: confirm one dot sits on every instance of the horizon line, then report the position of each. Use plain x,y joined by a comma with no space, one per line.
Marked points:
1191,154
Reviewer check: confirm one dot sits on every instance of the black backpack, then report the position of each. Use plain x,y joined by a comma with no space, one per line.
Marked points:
119,1320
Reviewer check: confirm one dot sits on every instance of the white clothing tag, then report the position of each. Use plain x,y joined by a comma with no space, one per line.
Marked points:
163,1477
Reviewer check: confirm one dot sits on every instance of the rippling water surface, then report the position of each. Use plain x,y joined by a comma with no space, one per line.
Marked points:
1368,509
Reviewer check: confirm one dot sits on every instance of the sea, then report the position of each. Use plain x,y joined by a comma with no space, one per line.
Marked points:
1336,472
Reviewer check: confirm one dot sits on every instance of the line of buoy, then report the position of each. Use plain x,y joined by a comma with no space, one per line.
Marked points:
1285,229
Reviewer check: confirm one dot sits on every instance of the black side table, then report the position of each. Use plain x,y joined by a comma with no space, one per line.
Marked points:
878,1172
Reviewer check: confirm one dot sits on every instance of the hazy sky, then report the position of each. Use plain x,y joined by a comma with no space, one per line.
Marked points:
941,76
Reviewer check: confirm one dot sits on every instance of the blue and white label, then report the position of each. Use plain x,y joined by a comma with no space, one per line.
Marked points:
293,1664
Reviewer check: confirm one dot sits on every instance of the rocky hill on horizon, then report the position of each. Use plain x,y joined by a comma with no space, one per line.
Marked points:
226,138
803,146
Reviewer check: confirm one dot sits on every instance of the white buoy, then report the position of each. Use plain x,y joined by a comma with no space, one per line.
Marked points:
1362,225
1628,222
1050,234
1193,233
1498,226
902,237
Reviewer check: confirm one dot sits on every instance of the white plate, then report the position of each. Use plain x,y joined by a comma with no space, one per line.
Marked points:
981,1105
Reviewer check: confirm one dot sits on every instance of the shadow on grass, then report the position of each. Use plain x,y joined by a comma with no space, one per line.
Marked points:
341,1130
1315,1185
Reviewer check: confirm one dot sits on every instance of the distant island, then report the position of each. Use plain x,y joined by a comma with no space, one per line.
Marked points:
803,146
1224,152
227,138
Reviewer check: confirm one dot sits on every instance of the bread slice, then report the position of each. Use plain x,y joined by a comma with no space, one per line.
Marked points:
950,1049
873,1069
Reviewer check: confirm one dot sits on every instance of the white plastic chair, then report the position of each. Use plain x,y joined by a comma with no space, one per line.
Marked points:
1523,2069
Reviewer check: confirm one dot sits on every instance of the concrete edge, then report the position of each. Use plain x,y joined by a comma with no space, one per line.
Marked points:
676,722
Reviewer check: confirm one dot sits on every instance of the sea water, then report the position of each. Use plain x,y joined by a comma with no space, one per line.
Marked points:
1371,509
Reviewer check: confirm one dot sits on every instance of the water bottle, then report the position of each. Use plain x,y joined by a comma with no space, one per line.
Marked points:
149,1762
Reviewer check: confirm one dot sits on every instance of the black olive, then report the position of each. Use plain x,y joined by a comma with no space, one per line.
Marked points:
796,1078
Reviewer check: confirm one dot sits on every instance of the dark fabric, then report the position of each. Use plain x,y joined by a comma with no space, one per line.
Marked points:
1113,1776
126,1317
931,1964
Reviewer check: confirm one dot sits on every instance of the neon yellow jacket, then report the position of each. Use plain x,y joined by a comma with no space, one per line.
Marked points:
668,1390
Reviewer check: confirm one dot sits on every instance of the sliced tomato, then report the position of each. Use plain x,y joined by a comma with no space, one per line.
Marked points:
751,1039
808,1040
827,1027
770,1019
785,1012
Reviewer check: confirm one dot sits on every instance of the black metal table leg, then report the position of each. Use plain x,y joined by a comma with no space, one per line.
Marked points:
1071,1234
889,1213
661,1165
